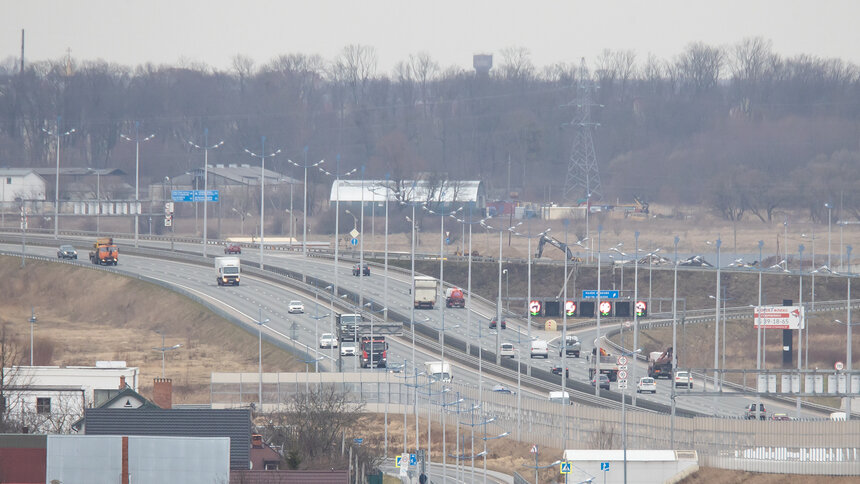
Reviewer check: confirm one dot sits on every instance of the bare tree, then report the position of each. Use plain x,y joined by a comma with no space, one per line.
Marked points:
516,64
700,66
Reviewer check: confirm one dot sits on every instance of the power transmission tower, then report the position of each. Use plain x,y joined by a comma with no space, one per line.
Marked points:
583,178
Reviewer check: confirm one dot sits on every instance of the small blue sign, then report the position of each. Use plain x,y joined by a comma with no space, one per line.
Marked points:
397,460
358,440
354,241
604,466
604,294
413,459
194,195
565,467
447,240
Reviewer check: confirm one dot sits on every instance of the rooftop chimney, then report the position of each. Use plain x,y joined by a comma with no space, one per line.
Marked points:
162,392
121,382
257,441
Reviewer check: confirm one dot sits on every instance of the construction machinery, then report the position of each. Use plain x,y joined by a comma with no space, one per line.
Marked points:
548,239
104,252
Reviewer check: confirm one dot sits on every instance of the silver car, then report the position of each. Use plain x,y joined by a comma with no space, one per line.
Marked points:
67,252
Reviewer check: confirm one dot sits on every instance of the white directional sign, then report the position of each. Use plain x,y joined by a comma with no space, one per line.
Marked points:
622,367
622,384
622,360
779,317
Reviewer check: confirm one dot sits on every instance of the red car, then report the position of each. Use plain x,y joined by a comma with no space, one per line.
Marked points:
233,249
493,324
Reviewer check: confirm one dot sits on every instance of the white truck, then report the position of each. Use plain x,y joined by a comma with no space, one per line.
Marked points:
425,292
439,371
227,271
539,349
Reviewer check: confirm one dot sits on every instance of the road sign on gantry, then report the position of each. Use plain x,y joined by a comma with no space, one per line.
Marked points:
570,308
605,308
534,308
641,309
779,317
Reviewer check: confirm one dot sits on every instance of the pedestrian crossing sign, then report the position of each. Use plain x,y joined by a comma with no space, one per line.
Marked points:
565,467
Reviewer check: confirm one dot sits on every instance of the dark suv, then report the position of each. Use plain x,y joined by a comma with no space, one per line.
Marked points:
67,252
357,268
750,412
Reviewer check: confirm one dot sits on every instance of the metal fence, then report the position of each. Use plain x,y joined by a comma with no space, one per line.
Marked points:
816,447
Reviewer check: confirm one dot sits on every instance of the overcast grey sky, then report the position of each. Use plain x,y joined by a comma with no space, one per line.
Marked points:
451,31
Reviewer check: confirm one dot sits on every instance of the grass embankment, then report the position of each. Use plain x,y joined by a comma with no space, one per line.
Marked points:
87,315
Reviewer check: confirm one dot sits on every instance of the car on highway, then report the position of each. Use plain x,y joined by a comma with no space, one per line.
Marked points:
327,340
347,348
395,367
67,252
559,397
503,389
507,350
495,323
602,379
749,412
570,346
556,370
539,349
683,379
232,249
356,269
780,416
646,384
296,307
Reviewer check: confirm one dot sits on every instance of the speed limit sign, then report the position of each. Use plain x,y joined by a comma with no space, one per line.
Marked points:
622,360
839,366
622,374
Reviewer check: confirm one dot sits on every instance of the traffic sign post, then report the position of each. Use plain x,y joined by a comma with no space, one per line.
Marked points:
534,308
564,468
398,461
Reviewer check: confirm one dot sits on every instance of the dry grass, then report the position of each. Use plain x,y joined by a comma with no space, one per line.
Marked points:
710,475
86,315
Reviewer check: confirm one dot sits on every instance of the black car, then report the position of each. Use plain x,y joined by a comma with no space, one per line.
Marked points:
67,252
556,370
603,379
493,324
356,269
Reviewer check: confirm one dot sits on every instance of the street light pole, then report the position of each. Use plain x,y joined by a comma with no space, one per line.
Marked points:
57,181
262,156
165,349
635,303
305,199
260,322
32,323
674,342
137,141
716,321
205,149
829,208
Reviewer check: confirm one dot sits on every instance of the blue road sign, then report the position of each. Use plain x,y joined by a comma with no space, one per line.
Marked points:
413,459
353,241
358,440
194,195
565,467
604,294
604,466
447,240
397,460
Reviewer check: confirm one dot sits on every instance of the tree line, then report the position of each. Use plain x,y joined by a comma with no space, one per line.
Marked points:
738,128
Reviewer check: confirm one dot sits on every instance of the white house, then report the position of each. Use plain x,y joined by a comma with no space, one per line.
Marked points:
49,399
21,184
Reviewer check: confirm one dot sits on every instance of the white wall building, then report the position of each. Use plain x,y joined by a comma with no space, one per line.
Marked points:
20,184
49,399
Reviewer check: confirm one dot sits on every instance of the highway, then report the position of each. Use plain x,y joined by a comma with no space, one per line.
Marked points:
471,324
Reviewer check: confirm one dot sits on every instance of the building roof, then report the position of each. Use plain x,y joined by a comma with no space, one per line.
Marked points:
448,191
232,423
16,171
78,171
243,174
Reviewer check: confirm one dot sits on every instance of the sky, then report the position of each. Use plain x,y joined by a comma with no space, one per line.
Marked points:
213,32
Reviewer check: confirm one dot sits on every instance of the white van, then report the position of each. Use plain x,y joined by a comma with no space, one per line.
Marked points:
559,397
507,350
539,349
439,371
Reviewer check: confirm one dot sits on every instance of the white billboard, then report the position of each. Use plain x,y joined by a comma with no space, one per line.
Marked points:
779,317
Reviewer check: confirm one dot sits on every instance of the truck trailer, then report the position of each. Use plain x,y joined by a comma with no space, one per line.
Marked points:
454,298
425,292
